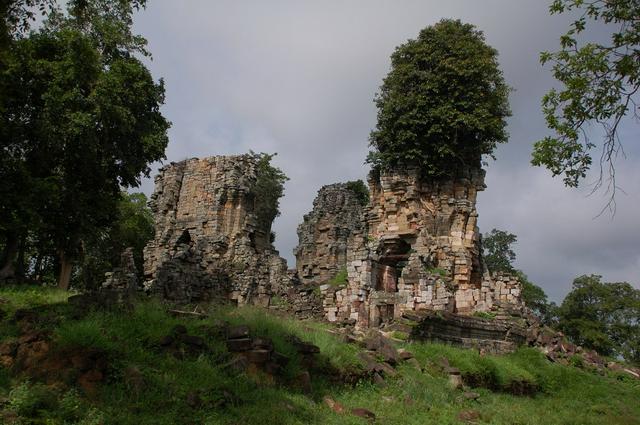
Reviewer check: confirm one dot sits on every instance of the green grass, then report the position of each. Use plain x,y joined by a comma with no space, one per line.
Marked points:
15,297
340,278
565,395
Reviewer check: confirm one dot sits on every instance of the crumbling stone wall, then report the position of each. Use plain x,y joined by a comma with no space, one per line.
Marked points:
324,234
418,248
208,244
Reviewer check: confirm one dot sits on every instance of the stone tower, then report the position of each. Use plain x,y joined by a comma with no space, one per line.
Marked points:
208,243
417,248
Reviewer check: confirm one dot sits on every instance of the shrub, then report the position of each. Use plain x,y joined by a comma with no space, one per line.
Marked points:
340,278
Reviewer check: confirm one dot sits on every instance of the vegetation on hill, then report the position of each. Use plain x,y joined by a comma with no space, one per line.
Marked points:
145,384
603,316
443,104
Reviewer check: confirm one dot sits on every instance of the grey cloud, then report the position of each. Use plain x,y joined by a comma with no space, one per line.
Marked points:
298,78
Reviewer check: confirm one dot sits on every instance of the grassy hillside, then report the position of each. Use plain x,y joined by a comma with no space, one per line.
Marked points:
80,366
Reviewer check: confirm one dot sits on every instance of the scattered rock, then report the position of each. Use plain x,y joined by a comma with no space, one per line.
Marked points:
192,340
333,405
386,369
8,348
413,362
279,358
303,382
469,416
238,345
258,356
469,395
455,379
404,354
264,343
363,413
166,341
237,364
237,332
379,380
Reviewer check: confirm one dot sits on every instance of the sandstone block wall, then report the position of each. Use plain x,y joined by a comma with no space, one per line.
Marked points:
417,248
325,232
208,243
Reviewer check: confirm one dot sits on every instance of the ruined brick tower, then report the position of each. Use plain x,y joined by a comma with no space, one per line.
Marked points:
417,247
208,242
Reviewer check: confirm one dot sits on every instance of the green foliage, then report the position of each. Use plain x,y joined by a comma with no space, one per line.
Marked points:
443,104
603,316
133,228
87,333
340,279
567,395
536,299
267,190
436,270
498,256
80,119
29,400
497,252
599,82
484,315
360,189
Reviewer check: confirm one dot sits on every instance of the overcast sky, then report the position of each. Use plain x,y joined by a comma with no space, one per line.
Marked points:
298,78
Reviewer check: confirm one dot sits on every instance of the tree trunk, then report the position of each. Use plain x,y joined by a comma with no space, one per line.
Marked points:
66,266
9,255
37,268
20,264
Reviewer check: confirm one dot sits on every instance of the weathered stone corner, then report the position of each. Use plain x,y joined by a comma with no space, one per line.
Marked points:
208,242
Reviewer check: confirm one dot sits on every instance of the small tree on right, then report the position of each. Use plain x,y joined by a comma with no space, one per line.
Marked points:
443,104
603,316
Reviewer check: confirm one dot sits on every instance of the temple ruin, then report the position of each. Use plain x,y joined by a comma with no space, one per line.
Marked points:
209,243
415,246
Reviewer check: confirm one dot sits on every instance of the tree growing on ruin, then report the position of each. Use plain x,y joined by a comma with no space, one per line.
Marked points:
268,189
443,105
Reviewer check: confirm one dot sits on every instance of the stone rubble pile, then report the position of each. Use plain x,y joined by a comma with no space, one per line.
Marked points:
125,277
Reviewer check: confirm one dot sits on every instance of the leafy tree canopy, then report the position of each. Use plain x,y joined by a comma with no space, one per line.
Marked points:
599,86
603,316
443,104
497,252
133,228
81,120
